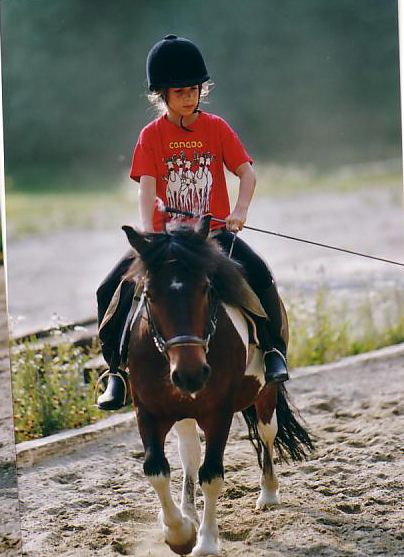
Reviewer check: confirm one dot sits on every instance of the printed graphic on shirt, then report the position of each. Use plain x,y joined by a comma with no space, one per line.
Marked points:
189,182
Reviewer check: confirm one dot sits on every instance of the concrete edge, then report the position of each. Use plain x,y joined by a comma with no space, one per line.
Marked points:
32,452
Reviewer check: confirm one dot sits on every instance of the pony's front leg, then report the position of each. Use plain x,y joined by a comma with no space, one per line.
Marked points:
179,530
211,478
189,448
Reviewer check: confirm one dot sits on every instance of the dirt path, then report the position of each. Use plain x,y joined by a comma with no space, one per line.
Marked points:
10,537
345,501
65,268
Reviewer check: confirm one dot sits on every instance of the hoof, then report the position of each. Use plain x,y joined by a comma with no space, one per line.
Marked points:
185,548
206,551
267,499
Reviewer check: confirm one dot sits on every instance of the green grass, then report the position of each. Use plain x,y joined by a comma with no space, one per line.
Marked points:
49,394
274,179
329,331
43,213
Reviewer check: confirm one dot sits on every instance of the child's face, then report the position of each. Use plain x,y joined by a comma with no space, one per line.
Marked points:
182,101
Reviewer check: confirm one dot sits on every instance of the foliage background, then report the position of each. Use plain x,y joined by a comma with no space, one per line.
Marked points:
311,82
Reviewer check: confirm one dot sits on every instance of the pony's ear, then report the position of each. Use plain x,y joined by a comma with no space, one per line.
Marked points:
136,238
203,225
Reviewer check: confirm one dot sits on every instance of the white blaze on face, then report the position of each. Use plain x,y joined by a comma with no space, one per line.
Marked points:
176,284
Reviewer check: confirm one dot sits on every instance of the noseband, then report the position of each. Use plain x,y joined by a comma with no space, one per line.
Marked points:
163,345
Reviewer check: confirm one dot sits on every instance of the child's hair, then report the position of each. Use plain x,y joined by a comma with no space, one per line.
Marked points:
158,98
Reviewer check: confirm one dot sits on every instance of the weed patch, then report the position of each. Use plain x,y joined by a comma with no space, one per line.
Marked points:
49,393
327,331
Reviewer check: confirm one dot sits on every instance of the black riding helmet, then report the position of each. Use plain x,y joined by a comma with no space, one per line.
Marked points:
175,62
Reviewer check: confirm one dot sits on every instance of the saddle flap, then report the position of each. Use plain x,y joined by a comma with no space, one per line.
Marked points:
251,302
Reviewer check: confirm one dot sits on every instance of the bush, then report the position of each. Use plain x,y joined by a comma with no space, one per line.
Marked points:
49,393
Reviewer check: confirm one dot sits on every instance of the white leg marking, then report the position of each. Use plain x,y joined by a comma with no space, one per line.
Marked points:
208,534
189,448
269,482
178,529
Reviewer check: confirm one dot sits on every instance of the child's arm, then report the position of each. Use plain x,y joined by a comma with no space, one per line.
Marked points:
235,221
147,197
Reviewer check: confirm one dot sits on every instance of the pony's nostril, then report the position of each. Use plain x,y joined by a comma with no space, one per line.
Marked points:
175,377
206,372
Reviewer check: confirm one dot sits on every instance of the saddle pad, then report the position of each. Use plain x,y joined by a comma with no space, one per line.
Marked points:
254,357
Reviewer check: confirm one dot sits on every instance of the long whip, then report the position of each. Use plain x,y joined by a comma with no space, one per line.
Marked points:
190,214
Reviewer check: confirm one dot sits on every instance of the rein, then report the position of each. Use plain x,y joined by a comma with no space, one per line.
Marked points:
163,345
174,211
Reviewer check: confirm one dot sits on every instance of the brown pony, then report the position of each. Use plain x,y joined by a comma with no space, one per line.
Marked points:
191,362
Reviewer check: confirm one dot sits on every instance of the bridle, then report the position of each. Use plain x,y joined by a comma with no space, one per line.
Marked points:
164,345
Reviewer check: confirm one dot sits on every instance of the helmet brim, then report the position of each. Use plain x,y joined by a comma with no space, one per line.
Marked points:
179,83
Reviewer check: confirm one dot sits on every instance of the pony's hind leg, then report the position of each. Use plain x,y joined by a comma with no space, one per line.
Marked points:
269,482
189,448
179,530
267,426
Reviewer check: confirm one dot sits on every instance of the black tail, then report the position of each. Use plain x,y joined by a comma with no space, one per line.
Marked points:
292,440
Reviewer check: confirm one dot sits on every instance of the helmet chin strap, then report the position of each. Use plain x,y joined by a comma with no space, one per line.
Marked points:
182,125
199,97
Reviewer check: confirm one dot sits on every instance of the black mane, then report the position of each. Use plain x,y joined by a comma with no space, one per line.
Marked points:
199,255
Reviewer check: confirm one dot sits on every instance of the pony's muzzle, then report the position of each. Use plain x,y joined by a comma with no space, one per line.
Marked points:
191,381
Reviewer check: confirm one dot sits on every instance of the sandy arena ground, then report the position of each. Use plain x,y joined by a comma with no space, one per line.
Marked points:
346,501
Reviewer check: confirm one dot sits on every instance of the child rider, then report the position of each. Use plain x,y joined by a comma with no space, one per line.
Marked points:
180,157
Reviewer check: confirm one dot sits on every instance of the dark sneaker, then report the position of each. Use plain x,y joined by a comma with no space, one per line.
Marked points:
276,370
114,396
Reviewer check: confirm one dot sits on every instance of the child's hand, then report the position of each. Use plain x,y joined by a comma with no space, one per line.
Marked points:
236,220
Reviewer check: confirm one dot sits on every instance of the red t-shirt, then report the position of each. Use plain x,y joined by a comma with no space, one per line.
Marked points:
188,165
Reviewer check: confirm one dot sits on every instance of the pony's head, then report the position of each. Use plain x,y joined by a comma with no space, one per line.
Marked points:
184,273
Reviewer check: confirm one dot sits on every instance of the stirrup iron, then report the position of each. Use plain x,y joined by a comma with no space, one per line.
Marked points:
108,373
